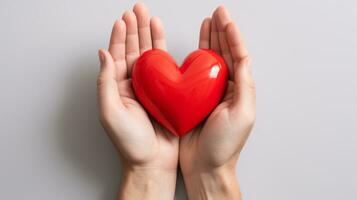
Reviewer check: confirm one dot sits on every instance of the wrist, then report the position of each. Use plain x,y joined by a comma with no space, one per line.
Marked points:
147,183
218,183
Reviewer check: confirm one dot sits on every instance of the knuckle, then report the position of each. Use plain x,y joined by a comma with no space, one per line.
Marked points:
250,83
100,81
248,59
252,87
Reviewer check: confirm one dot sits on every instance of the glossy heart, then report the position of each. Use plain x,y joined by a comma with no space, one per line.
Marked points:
179,98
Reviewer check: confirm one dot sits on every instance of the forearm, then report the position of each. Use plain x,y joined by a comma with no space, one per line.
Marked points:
212,184
147,184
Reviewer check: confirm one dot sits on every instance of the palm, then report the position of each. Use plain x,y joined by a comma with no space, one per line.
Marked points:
137,137
153,139
220,138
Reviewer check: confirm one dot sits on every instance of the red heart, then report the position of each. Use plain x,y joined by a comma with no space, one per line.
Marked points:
179,98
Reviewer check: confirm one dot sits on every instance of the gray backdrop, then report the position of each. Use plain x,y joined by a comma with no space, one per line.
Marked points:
304,143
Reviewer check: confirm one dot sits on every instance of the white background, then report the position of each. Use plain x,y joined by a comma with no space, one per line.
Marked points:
305,140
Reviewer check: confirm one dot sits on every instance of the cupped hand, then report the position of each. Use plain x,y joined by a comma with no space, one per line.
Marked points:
143,145
216,144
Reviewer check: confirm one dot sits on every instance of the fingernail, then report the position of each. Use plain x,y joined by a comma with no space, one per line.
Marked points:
101,56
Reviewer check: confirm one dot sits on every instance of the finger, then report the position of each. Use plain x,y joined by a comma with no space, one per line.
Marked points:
117,49
244,87
205,34
108,95
244,90
157,33
223,19
214,43
132,40
143,18
235,41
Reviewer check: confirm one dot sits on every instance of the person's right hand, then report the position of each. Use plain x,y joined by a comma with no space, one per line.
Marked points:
149,153
209,154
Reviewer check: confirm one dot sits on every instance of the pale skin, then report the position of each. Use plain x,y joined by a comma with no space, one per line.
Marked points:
151,155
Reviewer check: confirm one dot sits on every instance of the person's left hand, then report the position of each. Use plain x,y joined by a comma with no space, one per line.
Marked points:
209,154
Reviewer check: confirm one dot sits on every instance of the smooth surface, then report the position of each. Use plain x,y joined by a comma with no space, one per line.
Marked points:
304,60
179,97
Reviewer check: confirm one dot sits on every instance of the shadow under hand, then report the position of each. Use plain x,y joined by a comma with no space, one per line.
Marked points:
90,154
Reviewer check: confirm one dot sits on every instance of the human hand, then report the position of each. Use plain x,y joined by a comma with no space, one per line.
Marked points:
149,153
209,154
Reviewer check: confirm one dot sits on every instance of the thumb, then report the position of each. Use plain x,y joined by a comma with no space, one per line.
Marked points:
108,95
